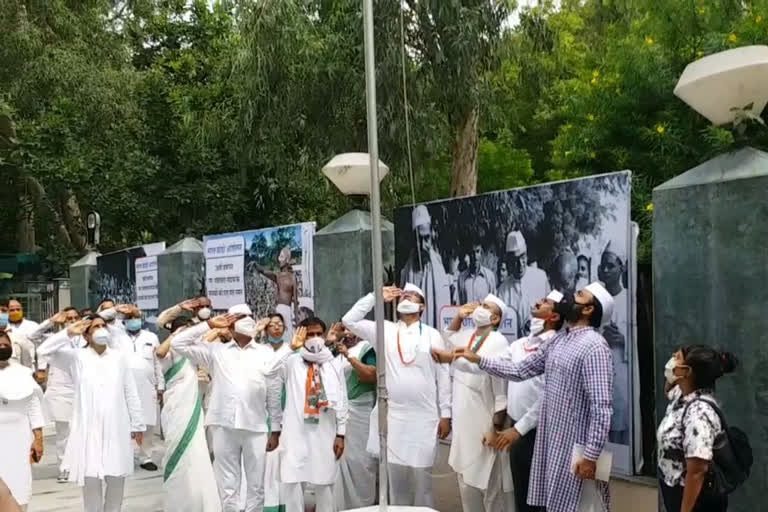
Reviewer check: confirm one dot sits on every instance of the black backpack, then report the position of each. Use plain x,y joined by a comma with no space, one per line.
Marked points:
731,456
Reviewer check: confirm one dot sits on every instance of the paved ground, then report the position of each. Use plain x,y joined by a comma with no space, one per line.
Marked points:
143,491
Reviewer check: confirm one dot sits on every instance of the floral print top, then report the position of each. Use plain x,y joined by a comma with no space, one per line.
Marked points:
681,438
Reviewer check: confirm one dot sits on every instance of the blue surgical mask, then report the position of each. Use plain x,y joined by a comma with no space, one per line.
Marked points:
133,324
273,340
3,319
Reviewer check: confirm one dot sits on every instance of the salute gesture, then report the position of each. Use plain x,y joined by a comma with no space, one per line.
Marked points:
78,328
190,304
467,309
299,337
224,321
390,293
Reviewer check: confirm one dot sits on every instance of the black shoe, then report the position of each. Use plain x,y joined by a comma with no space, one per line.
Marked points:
149,466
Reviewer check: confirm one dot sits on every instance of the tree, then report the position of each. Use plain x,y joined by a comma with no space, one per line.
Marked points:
454,46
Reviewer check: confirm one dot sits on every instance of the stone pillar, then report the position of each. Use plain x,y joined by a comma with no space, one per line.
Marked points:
181,270
82,273
342,266
710,263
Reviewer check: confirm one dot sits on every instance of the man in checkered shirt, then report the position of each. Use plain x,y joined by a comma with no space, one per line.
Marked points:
576,408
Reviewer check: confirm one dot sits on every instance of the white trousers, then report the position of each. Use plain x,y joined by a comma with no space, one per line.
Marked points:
236,451
95,499
62,435
491,499
410,487
143,454
294,497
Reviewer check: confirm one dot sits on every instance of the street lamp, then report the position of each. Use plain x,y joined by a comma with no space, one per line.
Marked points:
351,173
727,86
93,229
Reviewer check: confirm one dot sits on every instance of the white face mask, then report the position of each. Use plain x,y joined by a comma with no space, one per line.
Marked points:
406,307
246,326
204,313
100,336
669,370
537,325
108,314
314,345
481,316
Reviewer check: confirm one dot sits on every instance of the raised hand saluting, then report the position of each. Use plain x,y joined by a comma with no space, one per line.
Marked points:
78,328
299,337
390,293
223,321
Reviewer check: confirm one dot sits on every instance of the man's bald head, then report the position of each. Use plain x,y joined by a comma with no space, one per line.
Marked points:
564,271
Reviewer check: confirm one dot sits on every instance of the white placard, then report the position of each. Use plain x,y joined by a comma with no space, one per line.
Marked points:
146,283
224,271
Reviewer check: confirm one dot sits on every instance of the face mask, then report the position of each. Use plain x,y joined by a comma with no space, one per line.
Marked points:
3,319
406,307
16,316
481,317
204,313
100,336
669,371
133,324
246,326
6,351
537,325
314,345
108,314
273,340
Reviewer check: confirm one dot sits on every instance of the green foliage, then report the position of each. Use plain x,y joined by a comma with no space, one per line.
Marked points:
175,117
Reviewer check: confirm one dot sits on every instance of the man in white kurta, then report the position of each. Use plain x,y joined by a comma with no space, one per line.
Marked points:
150,383
239,404
21,424
419,393
479,403
106,416
314,425
60,391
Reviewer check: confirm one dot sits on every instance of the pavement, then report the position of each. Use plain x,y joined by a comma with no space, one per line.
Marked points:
143,490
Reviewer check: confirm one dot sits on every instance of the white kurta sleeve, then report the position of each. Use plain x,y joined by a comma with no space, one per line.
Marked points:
157,367
35,412
26,350
37,335
189,344
58,349
275,379
342,409
355,320
530,419
443,379
169,315
132,400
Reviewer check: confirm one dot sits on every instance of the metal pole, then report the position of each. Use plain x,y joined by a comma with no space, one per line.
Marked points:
377,265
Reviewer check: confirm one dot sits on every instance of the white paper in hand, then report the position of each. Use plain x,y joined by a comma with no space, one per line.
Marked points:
604,463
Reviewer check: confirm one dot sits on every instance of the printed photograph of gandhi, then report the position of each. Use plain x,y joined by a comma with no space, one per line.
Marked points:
287,296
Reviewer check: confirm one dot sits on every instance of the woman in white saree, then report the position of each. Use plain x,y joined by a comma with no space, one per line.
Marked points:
188,481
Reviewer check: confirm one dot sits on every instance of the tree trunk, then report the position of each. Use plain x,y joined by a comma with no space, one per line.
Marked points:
25,226
464,155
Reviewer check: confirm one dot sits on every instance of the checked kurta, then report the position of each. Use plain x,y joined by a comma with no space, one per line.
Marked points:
576,409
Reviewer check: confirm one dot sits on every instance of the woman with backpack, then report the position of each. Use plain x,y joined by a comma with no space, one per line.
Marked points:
690,428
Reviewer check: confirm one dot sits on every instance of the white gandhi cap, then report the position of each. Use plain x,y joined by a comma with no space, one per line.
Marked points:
420,216
516,243
555,296
604,298
495,300
412,288
240,309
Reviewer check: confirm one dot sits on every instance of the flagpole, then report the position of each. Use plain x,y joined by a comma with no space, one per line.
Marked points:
377,265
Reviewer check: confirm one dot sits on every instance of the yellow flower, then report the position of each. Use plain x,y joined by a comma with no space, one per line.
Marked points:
649,41
660,129
595,73
702,11
699,54
758,19
649,208
593,81
591,117
733,37
592,154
